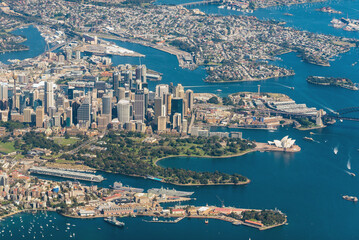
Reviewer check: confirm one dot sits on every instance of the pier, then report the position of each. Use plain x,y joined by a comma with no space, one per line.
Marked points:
67,174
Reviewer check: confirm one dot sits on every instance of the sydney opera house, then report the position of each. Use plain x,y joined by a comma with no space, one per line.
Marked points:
284,143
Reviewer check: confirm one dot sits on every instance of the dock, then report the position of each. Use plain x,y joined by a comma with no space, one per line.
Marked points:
67,174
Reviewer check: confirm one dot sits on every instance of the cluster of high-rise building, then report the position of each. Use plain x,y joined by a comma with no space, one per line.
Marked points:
124,102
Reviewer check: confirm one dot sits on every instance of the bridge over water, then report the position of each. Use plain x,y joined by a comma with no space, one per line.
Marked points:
198,3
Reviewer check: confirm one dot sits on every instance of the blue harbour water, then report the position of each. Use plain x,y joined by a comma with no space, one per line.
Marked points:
307,186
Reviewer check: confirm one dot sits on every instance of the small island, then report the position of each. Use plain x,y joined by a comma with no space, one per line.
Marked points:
332,81
328,10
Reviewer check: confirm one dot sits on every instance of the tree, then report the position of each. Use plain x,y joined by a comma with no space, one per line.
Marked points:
213,100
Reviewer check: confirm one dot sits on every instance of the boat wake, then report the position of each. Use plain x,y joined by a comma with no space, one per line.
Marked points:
349,166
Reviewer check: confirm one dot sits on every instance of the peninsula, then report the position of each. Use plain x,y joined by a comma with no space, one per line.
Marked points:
332,81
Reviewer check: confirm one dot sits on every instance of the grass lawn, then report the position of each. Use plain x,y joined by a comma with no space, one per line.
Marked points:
65,142
7,147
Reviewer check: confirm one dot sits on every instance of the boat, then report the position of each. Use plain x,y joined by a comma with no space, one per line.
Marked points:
350,198
351,174
335,150
119,186
206,221
219,90
154,178
169,192
114,221
308,139
292,88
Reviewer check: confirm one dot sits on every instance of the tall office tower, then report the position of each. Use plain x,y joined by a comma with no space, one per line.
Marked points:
102,122
4,180
179,91
177,106
159,107
60,101
169,103
127,77
141,73
3,92
161,123
107,106
68,53
177,121
57,120
84,112
189,98
31,99
139,106
124,111
122,93
52,111
39,117
78,55
184,126
138,85
49,96
75,106
161,90
68,117
146,93
70,93
22,101
14,92
172,88
116,83
22,78
27,114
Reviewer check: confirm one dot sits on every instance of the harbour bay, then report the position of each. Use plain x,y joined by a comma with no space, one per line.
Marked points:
307,186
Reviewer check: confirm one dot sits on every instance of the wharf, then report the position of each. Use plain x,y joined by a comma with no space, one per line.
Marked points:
165,221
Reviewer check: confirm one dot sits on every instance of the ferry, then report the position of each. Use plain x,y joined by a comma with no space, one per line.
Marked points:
350,198
308,139
154,178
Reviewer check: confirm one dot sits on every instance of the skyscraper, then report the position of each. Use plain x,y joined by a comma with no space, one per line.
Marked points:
139,105
39,117
189,97
159,108
141,73
68,117
177,106
3,92
179,91
124,111
116,83
106,106
49,96
84,112
161,90
27,114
